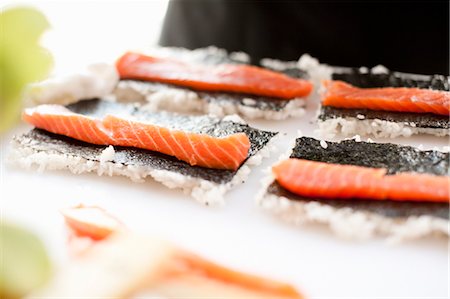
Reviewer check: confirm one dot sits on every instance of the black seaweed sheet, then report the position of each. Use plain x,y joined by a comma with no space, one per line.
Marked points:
44,141
420,120
386,208
393,157
257,102
369,79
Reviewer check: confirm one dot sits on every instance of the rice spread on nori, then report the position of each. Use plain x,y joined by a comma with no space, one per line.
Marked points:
275,108
414,122
385,216
217,98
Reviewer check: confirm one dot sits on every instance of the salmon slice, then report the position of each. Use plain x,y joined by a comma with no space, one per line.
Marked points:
184,274
324,180
91,221
226,77
185,263
342,95
196,149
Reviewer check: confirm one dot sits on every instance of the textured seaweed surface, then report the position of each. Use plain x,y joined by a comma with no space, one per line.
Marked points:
366,79
41,140
248,100
386,208
419,120
394,158
203,55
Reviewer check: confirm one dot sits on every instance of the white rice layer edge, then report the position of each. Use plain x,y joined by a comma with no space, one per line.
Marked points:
182,100
353,224
351,126
203,191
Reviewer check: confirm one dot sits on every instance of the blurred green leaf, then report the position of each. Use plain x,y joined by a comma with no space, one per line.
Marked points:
25,264
22,59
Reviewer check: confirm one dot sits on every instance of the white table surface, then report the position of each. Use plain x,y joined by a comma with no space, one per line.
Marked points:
239,234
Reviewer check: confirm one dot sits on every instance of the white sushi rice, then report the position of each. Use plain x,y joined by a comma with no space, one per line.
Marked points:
350,126
183,101
353,224
316,71
107,154
96,80
205,192
198,55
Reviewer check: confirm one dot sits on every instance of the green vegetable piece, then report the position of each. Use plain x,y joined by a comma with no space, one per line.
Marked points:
24,265
22,59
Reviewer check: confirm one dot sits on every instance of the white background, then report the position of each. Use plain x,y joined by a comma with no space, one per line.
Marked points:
238,234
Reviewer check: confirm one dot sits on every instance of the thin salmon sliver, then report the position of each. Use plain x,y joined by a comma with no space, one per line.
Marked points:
203,150
226,77
335,181
401,99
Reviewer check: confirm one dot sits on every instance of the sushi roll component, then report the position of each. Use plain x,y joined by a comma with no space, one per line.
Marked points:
398,99
48,150
93,81
227,77
362,189
126,265
227,152
335,181
306,67
209,55
223,89
381,103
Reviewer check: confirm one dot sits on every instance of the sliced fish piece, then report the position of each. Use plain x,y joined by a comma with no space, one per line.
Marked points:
184,274
342,95
327,180
196,149
227,77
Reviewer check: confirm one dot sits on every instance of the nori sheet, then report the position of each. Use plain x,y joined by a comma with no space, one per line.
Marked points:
44,141
420,120
257,102
394,158
368,79
386,208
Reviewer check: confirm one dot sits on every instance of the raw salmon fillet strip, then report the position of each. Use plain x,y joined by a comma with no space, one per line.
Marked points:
196,149
226,77
334,181
342,95
96,224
